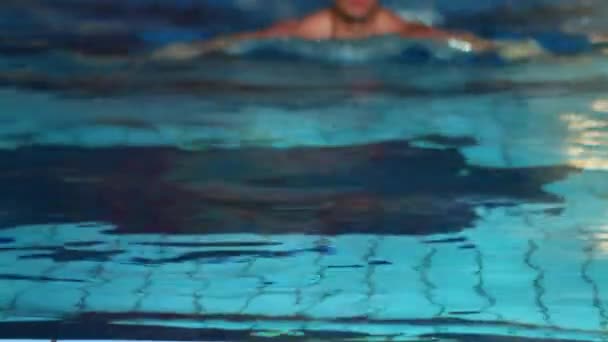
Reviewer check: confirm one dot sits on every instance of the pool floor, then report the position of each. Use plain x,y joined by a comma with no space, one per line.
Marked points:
384,214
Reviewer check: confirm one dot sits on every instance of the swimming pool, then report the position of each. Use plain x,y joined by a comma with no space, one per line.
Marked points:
263,196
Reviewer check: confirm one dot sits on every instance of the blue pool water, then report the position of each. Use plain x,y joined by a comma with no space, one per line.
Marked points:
383,190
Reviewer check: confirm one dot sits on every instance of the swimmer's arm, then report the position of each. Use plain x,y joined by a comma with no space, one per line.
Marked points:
280,30
316,26
510,50
184,51
313,27
464,40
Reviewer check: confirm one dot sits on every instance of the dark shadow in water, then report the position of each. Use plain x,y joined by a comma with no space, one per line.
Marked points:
99,326
449,240
447,141
67,255
195,14
385,188
129,80
221,256
84,244
92,45
238,253
63,254
468,246
207,244
40,279
549,16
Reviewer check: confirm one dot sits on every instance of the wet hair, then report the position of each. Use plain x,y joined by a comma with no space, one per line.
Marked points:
344,16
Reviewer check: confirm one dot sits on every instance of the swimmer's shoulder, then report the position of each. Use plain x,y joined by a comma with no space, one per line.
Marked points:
316,26
389,22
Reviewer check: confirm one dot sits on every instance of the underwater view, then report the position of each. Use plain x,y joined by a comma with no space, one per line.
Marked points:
365,187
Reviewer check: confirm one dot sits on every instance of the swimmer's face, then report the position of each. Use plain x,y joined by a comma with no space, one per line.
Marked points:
357,10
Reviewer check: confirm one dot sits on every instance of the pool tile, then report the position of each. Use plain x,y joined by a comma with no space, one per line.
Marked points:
340,305
167,302
225,305
272,305
231,287
116,294
9,291
33,235
144,137
287,273
348,250
401,305
453,286
98,136
65,299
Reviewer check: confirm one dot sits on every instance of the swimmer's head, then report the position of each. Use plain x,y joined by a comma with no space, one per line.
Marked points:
357,10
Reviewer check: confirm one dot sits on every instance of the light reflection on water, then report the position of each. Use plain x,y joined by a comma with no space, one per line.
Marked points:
588,139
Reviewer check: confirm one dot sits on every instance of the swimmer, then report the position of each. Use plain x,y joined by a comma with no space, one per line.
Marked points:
351,20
